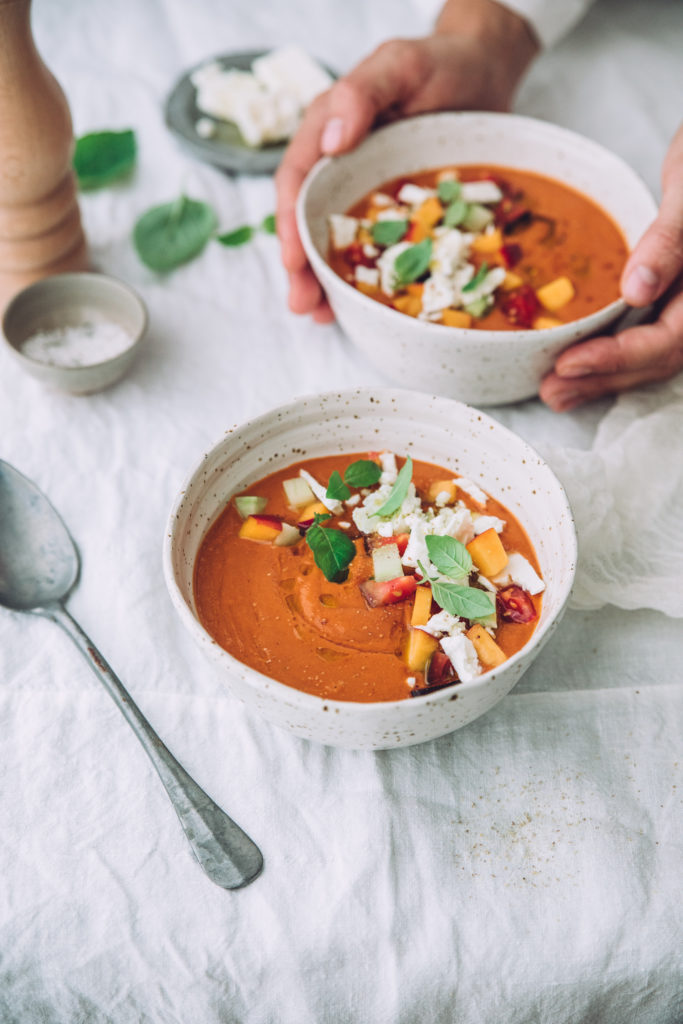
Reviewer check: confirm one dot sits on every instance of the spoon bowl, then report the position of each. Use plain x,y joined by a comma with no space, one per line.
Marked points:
39,566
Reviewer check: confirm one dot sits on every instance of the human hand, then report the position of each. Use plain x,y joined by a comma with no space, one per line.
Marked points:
653,273
473,61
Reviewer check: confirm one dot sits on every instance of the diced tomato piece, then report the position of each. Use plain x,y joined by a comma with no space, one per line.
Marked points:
511,254
400,540
516,605
391,592
355,256
521,306
265,517
440,670
511,215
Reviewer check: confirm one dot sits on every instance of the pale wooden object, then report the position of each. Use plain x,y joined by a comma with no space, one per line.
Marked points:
40,223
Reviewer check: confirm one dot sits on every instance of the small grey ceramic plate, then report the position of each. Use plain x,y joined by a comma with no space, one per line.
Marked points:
226,148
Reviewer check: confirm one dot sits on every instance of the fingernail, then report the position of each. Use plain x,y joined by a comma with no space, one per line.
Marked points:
640,287
332,135
573,370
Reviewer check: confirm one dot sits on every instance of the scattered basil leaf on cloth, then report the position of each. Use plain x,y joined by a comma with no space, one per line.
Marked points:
477,279
269,225
237,237
174,233
455,213
465,602
332,550
388,232
336,488
449,191
449,556
101,158
362,473
413,262
398,491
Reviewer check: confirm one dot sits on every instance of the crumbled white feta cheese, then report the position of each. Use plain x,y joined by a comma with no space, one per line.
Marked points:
443,624
462,656
442,498
487,286
449,174
370,251
291,70
415,195
455,521
410,680
438,293
382,199
450,251
481,192
386,264
416,549
343,230
205,128
321,493
519,571
486,583
352,501
471,488
389,469
368,523
344,526
394,213
385,530
482,523
367,275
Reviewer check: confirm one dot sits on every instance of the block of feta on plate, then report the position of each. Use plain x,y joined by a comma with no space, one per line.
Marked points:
290,69
238,96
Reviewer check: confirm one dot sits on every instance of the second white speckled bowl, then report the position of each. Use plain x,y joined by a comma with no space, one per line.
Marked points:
437,430
478,366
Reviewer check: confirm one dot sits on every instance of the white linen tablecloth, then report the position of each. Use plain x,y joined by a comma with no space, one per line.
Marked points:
524,869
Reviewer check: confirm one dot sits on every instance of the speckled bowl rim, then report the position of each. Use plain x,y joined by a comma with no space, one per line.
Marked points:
306,701
323,270
66,278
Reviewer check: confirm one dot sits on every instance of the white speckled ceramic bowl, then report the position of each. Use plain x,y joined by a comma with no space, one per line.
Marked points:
74,300
478,366
435,429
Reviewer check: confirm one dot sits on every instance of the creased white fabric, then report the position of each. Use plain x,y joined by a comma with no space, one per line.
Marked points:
524,870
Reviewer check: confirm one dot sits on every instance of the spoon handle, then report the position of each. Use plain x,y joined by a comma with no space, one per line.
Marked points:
227,855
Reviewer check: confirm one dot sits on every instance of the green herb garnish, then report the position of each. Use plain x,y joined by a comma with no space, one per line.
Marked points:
480,307
362,473
449,555
333,551
398,491
269,225
477,279
465,602
455,213
448,191
388,232
413,262
174,233
237,237
336,488
103,157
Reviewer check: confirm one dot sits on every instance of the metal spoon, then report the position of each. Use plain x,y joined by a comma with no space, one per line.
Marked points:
39,567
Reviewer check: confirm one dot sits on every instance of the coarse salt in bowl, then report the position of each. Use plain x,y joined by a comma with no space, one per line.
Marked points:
434,429
480,366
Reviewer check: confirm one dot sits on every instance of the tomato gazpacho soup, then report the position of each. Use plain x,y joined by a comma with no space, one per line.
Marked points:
367,578
489,247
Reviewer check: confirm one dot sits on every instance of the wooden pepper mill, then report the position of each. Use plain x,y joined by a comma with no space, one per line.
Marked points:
40,223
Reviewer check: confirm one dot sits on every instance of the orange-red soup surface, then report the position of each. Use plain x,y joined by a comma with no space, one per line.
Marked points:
553,254
273,609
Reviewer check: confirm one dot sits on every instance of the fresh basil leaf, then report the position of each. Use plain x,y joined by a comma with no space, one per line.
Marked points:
413,262
398,491
237,237
333,551
449,555
448,191
103,157
336,488
269,225
455,213
362,473
388,232
477,279
465,602
174,233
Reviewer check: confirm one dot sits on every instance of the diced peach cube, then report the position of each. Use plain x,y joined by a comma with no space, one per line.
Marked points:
429,213
419,649
365,288
544,323
488,553
511,281
438,487
315,509
409,304
260,528
488,651
456,318
422,607
487,244
556,294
